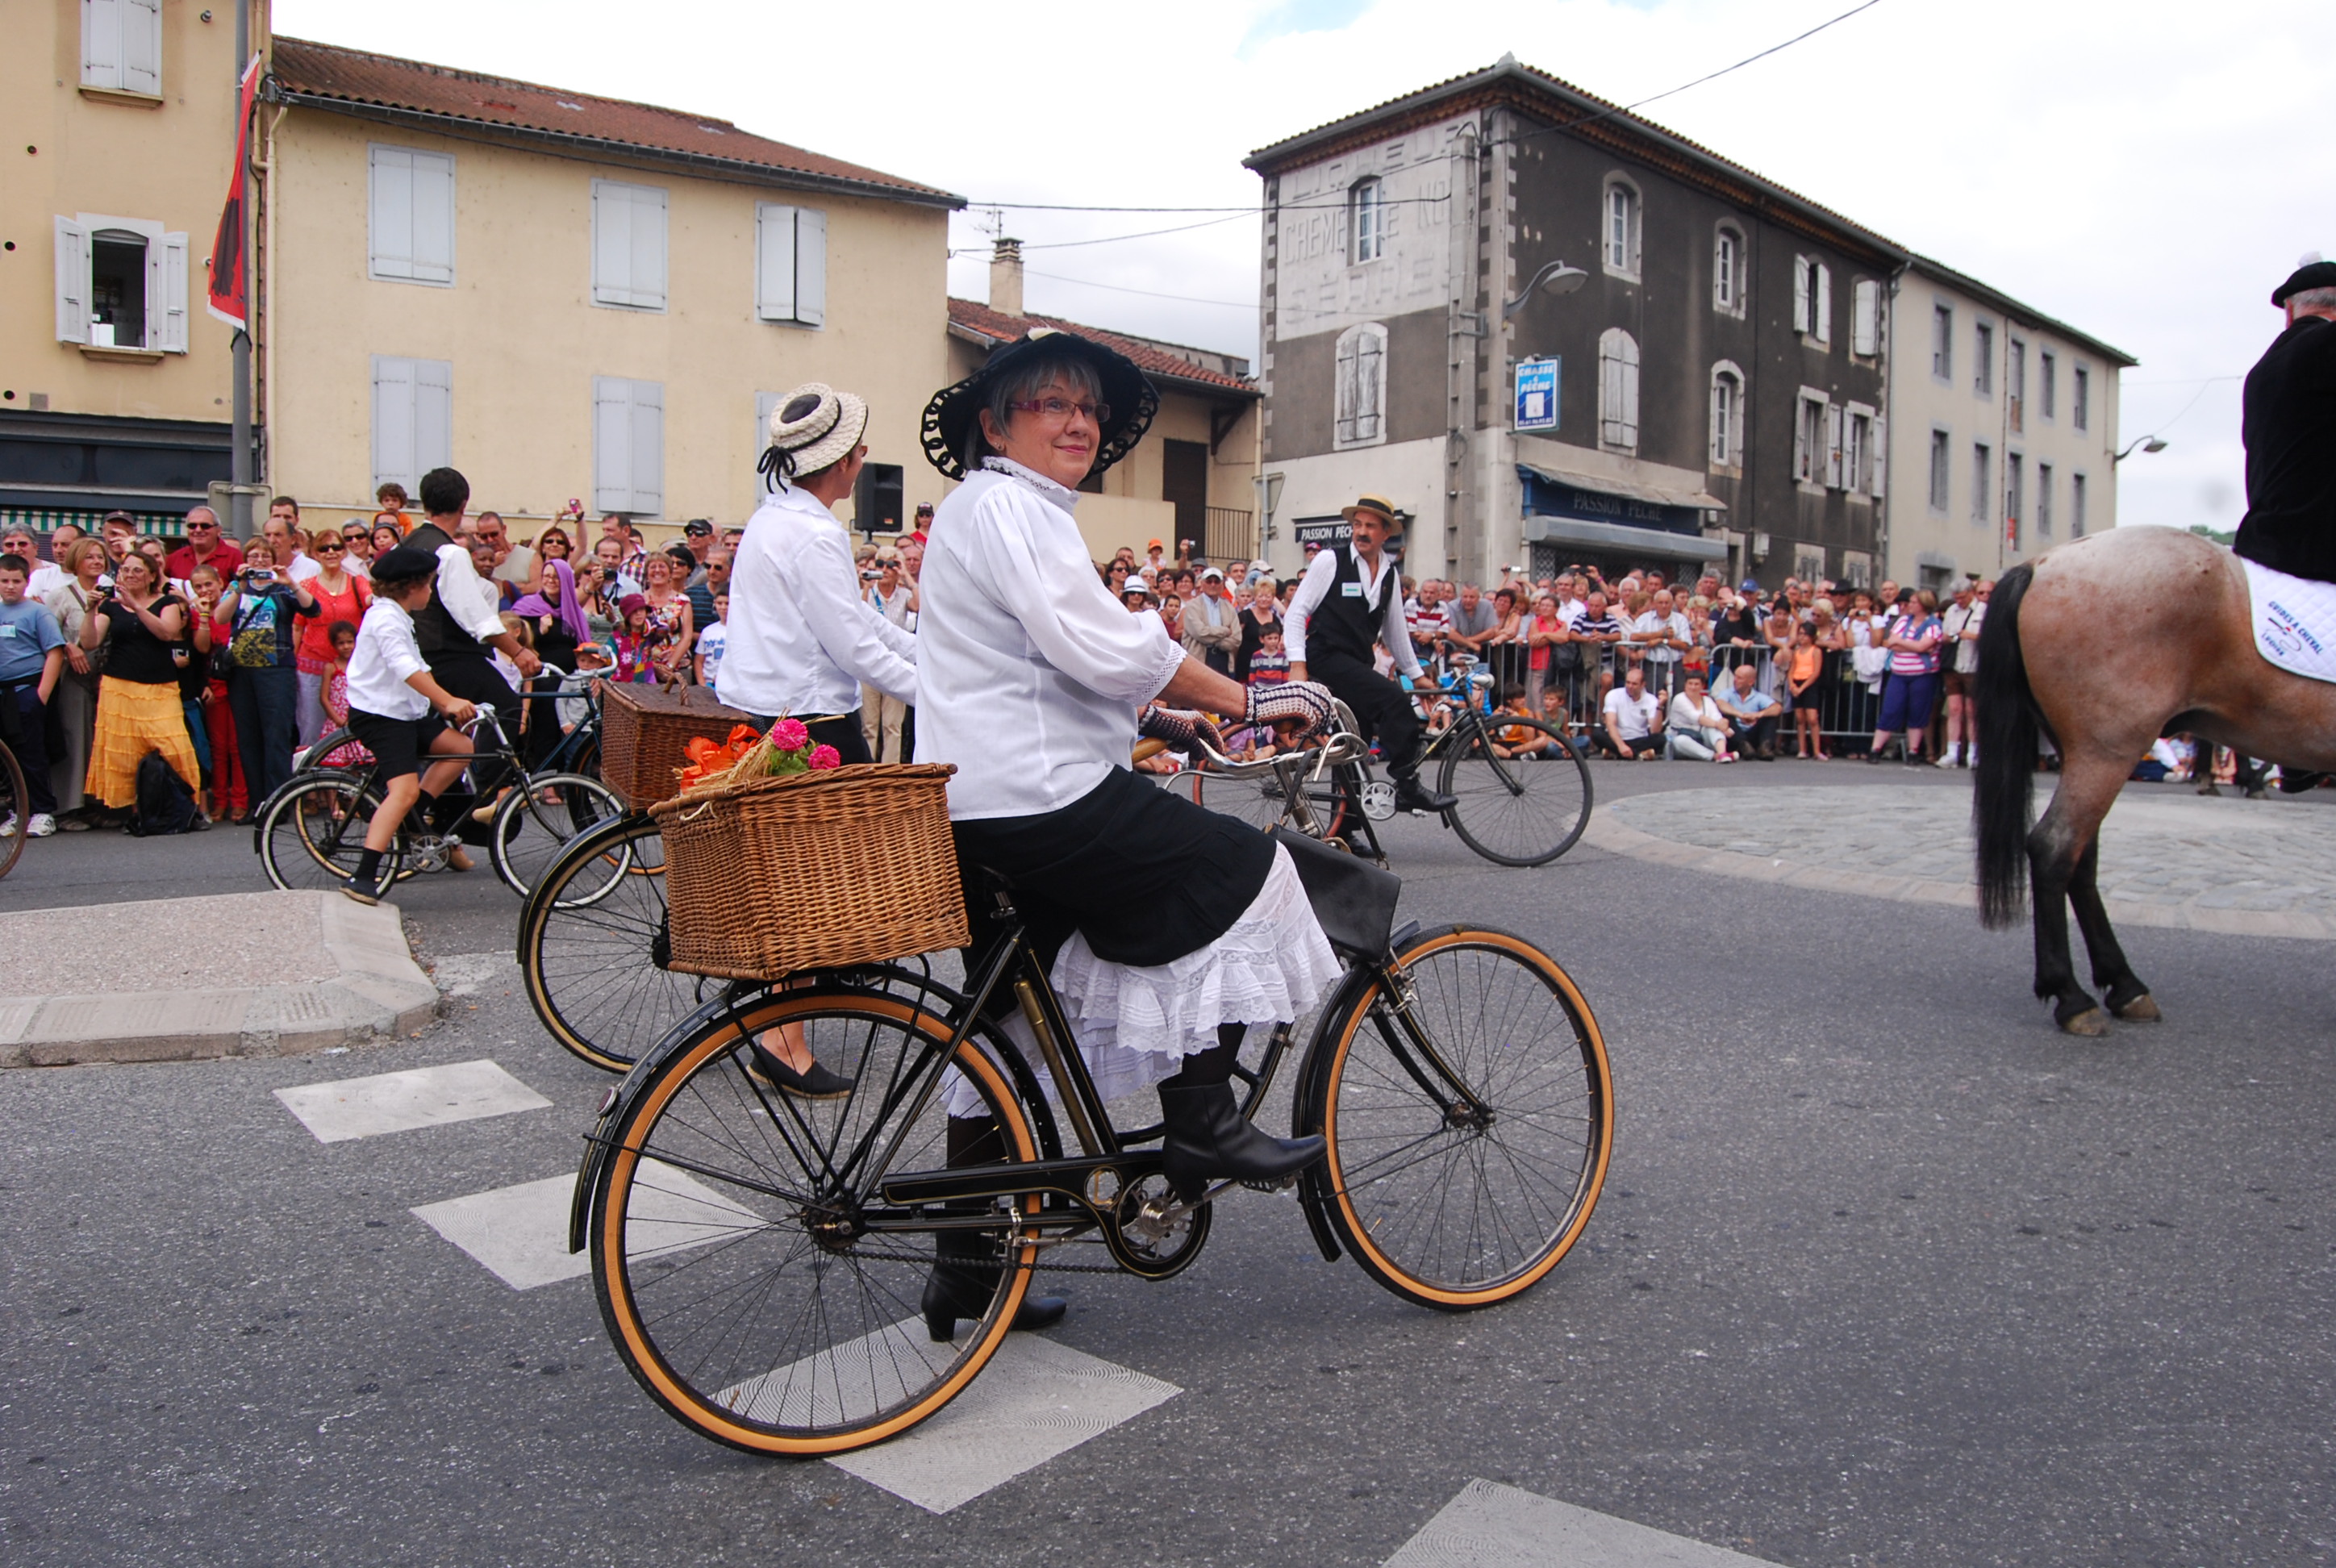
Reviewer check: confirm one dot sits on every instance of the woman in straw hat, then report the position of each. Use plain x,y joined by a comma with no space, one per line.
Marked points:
801,642
1167,929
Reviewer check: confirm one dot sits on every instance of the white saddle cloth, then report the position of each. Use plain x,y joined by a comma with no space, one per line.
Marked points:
2294,620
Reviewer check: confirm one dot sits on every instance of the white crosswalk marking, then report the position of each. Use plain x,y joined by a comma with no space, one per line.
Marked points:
1489,1525
1035,1400
519,1234
398,1102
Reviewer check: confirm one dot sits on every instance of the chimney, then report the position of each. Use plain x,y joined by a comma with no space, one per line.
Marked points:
1005,278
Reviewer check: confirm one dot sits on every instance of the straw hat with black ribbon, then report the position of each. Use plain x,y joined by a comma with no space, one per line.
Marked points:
952,424
813,427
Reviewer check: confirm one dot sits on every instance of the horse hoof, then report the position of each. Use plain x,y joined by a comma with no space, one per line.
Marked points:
2092,1024
2142,1009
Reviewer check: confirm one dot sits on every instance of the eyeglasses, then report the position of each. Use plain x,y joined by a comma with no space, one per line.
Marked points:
202,528
1062,408
330,547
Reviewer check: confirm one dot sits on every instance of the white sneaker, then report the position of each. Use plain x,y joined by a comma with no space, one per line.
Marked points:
42,825
8,828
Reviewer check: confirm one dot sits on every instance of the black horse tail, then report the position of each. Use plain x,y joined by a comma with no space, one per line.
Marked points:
2007,756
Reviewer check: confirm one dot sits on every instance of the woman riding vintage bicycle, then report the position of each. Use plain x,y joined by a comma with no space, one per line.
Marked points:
790,1274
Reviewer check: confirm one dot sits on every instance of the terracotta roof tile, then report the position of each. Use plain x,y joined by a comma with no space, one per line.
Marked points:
305,70
974,317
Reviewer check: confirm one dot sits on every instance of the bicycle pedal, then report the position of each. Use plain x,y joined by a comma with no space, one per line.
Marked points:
1279,1185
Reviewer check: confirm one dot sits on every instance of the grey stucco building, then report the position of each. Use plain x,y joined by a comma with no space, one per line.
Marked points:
1720,376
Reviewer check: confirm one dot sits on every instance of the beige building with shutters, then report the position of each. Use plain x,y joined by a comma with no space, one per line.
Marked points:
121,138
2003,428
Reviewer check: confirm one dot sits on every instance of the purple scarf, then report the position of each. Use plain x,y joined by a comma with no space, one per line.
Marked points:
570,611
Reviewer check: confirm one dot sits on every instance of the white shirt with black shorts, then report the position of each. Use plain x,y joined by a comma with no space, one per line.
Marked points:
390,718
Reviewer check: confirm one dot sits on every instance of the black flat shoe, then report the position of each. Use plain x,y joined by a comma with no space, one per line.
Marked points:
818,1083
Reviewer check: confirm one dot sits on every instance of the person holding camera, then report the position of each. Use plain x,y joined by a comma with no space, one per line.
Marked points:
262,606
141,624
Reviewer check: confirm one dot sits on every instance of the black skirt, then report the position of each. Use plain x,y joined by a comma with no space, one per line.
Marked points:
1145,875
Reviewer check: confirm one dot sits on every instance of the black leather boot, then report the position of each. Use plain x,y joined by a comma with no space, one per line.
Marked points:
1411,795
965,1263
1208,1139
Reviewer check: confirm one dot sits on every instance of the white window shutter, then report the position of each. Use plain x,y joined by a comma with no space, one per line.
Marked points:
72,282
167,305
810,266
390,213
775,262
612,245
612,445
393,421
1864,315
1800,443
1800,294
434,417
1718,428
433,224
142,45
1822,329
102,24
648,247
648,435
1631,398
1879,455
1833,446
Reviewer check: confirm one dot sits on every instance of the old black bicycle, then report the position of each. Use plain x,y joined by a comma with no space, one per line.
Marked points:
1521,788
759,1257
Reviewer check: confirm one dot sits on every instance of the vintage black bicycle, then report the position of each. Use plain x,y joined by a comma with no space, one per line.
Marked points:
759,1257
1521,788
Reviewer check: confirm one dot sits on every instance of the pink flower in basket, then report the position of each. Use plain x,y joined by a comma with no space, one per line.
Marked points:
825,757
789,734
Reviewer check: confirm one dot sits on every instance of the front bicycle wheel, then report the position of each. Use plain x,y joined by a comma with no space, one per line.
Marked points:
537,821
1525,809
312,831
593,946
752,1280
16,806
1470,1117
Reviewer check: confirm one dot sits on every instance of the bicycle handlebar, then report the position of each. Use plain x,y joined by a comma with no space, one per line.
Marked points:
1341,747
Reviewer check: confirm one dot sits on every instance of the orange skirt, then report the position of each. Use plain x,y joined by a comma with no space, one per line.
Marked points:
132,719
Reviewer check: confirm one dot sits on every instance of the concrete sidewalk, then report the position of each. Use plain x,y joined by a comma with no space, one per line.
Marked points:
228,975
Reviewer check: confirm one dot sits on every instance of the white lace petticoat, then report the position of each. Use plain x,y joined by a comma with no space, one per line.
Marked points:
1135,1024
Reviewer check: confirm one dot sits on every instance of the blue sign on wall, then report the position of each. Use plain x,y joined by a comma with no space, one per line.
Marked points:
1537,394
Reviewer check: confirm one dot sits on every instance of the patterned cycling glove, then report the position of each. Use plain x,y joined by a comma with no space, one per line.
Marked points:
1304,703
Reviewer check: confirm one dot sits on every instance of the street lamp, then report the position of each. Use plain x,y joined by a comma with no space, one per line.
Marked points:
2147,444
1555,279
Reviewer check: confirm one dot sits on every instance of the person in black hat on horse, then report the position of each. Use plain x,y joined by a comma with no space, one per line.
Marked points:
1167,929
2289,426
1350,597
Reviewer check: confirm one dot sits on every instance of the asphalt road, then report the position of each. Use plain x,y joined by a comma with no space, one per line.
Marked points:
1887,1272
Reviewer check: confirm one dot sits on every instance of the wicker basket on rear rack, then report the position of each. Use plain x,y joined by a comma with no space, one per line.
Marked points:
645,736
854,865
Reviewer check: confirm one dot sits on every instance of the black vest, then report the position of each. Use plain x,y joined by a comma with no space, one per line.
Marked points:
436,632
1345,624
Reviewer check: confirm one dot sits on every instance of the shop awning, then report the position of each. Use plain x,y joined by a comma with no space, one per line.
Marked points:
1620,539
1629,490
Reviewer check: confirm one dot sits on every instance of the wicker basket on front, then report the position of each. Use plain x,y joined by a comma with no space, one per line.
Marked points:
645,736
816,870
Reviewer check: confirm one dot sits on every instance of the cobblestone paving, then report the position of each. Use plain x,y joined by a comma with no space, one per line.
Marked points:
2171,858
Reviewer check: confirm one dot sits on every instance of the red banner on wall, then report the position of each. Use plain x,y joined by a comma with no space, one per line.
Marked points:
226,295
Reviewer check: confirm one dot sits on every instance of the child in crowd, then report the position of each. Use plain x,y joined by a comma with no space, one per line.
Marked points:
574,703
711,641
1268,665
351,754
634,642
399,711
518,627
1805,662
230,793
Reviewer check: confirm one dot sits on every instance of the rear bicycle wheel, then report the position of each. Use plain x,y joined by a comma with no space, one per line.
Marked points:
749,1290
312,831
1453,1204
16,805
1518,811
538,820
592,946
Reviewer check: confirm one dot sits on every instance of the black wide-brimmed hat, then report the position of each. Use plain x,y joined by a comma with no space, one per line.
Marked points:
953,419
2313,274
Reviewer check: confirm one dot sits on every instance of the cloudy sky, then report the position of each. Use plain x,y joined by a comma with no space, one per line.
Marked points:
2144,170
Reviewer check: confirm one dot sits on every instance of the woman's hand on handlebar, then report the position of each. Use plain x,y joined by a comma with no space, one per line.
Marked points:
1181,729
1303,706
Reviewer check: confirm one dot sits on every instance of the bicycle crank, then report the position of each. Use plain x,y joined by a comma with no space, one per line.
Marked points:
1152,1235
1378,801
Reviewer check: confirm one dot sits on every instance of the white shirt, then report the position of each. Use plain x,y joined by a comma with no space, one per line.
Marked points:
1671,625
465,594
1634,719
1031,671
303,566
385,656
1315,587
1687,714
802,640
47,577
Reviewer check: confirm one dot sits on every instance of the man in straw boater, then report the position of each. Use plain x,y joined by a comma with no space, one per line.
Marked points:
801,641
1167,929
1351,596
